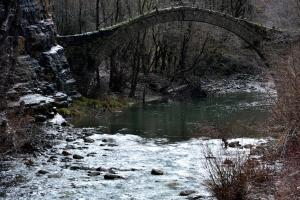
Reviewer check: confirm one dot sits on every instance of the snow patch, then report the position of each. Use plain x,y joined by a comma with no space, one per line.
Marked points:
54,49
35,99
58,119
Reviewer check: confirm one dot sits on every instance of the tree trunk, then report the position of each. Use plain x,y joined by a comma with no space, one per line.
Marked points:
97,14
80,16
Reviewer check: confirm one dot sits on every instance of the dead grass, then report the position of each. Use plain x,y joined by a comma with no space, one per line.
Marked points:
235,178
22,134
286,123
286,118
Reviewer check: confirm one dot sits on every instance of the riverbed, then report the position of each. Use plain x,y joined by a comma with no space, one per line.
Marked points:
128,145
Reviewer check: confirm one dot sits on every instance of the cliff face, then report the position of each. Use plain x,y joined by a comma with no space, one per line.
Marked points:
31,61
34,73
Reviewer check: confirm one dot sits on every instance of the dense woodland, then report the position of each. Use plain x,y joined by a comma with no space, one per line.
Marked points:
177,51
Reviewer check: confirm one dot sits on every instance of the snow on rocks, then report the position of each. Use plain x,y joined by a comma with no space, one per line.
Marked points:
35,99
54,49
57,120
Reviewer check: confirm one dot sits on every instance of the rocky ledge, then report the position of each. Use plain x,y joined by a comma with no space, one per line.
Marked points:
34,75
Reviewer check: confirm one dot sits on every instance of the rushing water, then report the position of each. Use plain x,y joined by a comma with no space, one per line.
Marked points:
167,136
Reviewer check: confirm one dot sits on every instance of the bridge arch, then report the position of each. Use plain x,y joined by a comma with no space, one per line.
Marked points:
88,49
250,32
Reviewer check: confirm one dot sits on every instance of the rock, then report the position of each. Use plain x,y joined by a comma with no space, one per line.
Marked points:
75,168
101,169
40,67
70,139
3,123
210,157
59,96
66,159
77,157
42,172
88,134
196,197
112,145
62,104
29,162
108,140
88,140
91,154
70,147
51,115
65,153
94,173
157,172
40,118
228,162
3,195
64,124
173,185
52,158
81,148
198,93
248,146
187,192
55,175
80,168
112,177
234,144
35,99
111,171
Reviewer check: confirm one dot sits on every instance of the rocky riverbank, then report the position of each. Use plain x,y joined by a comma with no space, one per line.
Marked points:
87,163
35,77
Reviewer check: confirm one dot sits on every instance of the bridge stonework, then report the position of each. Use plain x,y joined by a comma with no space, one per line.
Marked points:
86,51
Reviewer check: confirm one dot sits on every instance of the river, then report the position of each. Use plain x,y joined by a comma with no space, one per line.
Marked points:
172,137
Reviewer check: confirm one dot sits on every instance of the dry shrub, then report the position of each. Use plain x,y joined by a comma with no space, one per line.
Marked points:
287,111
22,134
226,181
235,177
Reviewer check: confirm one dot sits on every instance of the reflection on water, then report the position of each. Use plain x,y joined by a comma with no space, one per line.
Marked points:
237,113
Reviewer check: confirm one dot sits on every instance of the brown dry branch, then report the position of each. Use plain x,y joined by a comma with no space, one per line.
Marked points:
287,110
236,177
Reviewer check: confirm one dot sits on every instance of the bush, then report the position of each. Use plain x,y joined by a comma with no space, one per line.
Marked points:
287,111
22,134
233,178
227,180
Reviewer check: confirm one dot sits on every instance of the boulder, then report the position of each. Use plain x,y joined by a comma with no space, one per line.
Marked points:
78,157
157,172
42,172
112,177
187,192
94,173
66,153
88,140
234,144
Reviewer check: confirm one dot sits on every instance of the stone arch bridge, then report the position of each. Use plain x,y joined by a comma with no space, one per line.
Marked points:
86,51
